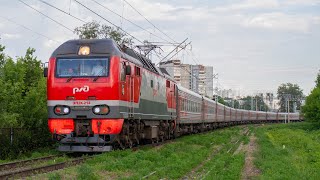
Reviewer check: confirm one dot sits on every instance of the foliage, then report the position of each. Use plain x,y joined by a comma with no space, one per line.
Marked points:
254,103
22,101
311,109
221,100
292,93
2,56
93,30
232,103
318,80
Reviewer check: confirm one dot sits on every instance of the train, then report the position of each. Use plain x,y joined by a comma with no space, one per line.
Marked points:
102,96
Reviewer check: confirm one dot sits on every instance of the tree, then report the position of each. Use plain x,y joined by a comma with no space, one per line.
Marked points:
2,56
33,70
292,93
93,30
90,30
232,103
23,91
254,103
311,109
220,100
318,80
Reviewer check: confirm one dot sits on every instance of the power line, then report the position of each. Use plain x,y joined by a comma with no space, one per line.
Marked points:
81,19
46,15
62,10
149,21
107,20
174,49
130,21
25,27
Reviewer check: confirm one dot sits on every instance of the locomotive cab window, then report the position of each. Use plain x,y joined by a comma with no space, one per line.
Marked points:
82,67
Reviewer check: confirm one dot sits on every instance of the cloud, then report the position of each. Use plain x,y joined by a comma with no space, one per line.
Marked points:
36,6
316,20
279,21
248,4
302,2
150,10
50,43
10,36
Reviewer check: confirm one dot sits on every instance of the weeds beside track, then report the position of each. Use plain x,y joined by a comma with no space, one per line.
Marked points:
25,168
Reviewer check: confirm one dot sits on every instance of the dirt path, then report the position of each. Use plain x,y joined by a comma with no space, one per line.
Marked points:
249,170
193,174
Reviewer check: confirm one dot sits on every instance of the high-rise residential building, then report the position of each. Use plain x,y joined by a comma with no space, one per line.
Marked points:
209,81
186,76
173,68
197,78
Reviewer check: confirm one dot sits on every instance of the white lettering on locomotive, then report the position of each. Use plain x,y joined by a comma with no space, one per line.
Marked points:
81,103
81,89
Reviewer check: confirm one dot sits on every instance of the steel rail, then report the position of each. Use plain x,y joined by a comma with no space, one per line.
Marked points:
17,164
42,169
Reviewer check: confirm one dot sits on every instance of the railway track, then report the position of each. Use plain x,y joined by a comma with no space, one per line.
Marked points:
21,169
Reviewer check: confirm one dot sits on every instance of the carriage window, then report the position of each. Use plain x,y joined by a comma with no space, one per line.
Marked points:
151,83
123,72
89,67
168,84
137,71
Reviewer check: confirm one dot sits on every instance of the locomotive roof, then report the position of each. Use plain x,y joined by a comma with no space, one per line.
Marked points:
100,47
97,47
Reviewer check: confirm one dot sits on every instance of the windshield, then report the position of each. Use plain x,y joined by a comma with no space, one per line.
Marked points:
95,67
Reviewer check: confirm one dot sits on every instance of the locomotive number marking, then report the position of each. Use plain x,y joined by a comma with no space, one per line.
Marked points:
81,103
81,89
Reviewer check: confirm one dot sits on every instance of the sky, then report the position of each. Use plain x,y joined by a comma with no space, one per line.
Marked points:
253,45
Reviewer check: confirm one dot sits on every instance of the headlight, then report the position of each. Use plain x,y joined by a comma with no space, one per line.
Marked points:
61,110
101,109
96,110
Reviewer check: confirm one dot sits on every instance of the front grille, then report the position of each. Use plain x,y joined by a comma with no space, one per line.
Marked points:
83,128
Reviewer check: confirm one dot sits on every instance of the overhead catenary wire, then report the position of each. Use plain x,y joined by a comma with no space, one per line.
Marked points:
107,20
121,16
62,10
86,7
149,21
79,18
29,29
46,15
173,50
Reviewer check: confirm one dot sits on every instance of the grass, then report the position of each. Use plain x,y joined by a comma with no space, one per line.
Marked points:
170,161
284,151
31,155
289,151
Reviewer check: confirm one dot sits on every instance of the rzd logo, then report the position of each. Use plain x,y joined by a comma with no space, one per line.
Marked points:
81,89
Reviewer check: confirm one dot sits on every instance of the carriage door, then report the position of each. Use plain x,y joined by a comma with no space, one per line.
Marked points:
169,96
131,81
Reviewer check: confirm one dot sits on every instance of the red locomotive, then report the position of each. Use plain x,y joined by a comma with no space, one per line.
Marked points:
101,96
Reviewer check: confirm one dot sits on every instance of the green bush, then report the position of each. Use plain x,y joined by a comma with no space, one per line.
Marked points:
22,104
311,110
